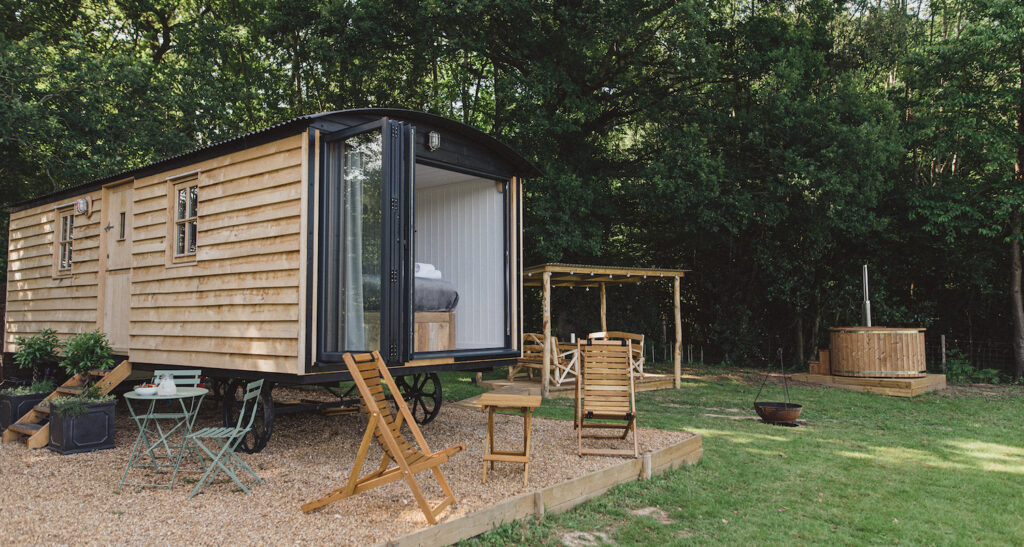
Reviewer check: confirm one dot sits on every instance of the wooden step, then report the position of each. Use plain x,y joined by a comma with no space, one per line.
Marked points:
25,429
31,423
70,390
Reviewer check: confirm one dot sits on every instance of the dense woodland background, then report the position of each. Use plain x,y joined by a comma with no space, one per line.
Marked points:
773,147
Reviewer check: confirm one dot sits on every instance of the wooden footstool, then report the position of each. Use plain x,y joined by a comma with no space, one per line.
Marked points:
525,404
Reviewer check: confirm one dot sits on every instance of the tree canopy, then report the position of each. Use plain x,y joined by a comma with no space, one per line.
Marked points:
770,146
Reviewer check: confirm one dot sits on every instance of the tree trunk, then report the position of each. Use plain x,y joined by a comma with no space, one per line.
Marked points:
1015,265
1015,296
799,342
816,326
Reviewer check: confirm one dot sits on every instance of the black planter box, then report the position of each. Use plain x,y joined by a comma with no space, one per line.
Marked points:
93,430
13,407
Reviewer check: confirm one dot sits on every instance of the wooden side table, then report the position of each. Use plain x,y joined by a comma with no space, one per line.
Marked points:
525,404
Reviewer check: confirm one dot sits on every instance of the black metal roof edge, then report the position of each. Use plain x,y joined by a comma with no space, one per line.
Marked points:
523,165
261,136
267,134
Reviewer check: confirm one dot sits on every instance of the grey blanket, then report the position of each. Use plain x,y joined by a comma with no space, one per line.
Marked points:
431,295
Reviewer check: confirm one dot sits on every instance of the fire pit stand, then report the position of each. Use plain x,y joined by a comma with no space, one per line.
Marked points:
776,413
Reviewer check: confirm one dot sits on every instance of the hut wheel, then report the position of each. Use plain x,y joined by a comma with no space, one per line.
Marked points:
262,426
422,392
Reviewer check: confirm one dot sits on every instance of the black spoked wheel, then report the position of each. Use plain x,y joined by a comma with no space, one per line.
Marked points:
422,392
262,426
218,387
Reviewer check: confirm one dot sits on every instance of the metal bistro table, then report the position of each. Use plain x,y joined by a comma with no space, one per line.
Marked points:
150,428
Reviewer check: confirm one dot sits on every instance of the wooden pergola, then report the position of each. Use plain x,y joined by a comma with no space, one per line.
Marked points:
579,275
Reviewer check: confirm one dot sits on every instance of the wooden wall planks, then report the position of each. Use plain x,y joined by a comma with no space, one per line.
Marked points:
36,298
236,307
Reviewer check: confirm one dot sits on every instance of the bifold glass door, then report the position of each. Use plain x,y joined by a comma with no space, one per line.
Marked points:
363,247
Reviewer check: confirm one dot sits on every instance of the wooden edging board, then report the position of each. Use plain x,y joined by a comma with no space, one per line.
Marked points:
896,387
555,499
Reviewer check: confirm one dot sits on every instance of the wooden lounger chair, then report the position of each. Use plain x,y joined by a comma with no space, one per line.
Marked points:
370,374
605,391
636,354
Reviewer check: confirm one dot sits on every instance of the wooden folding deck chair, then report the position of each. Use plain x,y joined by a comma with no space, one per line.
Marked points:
605,391
636,353
370,374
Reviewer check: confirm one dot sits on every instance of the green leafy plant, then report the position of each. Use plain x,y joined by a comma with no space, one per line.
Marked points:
77,405
37,352
87,351
960,371
82,353
43,385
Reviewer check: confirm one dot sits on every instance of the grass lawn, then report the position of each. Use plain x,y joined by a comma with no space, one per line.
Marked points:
940,468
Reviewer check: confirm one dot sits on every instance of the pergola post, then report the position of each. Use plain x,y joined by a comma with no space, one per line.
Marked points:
677,353
546,370
604,310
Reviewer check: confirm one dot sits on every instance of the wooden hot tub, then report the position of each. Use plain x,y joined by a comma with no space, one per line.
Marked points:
879,352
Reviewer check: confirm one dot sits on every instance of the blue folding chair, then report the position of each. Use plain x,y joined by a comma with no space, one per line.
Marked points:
224,457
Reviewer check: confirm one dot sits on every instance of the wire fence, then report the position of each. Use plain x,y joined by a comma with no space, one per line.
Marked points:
980,354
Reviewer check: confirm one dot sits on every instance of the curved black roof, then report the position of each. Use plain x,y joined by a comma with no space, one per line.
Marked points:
283,129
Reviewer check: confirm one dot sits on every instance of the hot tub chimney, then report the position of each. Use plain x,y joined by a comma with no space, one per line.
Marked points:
867,301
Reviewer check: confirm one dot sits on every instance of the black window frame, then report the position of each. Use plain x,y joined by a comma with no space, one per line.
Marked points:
400,158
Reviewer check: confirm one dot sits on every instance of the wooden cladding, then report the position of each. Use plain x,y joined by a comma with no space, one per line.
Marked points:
877,352
215,262
41,294
229,299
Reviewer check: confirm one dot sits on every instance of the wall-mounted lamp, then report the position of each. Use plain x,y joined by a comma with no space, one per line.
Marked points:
82,206
433,140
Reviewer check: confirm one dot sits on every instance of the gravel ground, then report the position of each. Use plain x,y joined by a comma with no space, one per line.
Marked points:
52,499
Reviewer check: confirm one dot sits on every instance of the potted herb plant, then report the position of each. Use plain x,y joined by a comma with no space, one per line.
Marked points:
38,354
83,422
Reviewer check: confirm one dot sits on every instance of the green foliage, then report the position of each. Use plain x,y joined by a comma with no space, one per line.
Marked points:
45,385
87,351
771,147
77,405
960,371
37,351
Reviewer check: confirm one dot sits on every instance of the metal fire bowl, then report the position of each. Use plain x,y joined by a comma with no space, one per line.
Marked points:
778,413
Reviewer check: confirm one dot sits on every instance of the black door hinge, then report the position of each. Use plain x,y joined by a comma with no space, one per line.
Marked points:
393,352
394,276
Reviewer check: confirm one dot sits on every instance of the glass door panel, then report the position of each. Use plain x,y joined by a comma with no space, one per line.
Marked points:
364,242
351,244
